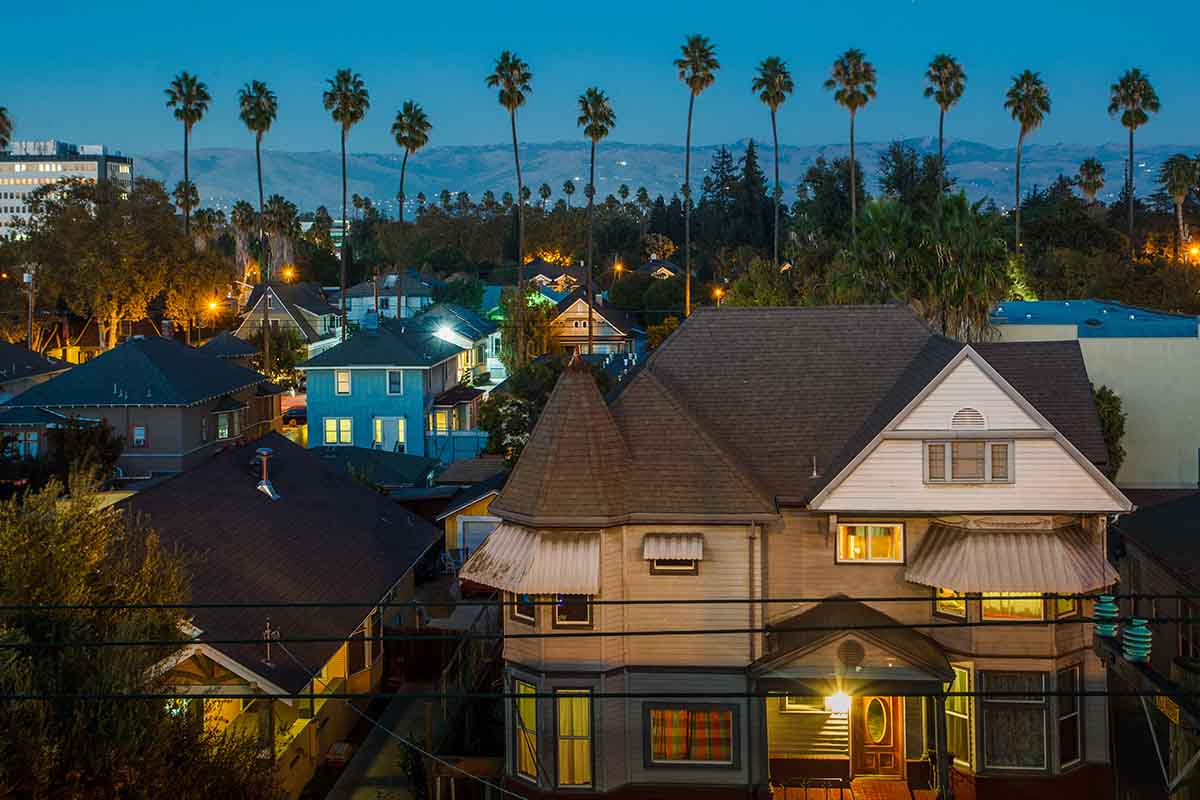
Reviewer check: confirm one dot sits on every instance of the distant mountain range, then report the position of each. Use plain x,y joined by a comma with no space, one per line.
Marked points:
309,179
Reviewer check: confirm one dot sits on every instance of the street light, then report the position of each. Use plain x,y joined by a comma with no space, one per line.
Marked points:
718,295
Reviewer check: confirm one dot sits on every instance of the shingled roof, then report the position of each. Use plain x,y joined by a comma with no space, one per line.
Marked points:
226,345
395,343
461,320
17,362
149,371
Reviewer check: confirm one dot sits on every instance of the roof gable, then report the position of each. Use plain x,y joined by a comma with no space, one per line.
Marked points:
395,343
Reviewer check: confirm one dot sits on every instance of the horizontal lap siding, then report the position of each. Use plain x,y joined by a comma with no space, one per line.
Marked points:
968,387
804,733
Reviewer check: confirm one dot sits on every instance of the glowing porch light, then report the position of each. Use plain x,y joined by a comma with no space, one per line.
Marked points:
838,703
445,333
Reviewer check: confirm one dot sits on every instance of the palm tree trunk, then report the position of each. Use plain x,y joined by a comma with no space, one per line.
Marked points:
1129,192
775,134
591,204
187,187
853,185
1017,207
687,212
1179,226
941,160
403,168
512,116
345,236
264,269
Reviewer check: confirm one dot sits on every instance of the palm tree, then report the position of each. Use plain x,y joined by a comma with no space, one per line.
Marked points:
1178,178
544,192
245,220
1090,179
852,80
347,101
1028,101
1134,97
189,96
489,203
697,68
6,128
259,107
773,84
411,130
644,203
568,190
944,82
623,192
185,195
420,200
597,118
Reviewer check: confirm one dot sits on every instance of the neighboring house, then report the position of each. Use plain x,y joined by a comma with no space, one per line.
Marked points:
660,269
402,295
477,336
858,457
21,368
490,304
172,404
77,340
471,471
25,431
467,520
543,274
1151,359
229,347
299,307
325,538
613,330
394,385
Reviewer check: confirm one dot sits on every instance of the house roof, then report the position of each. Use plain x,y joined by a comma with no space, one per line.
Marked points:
1097,318
620,320
461,320
470,494
388,469
539,266
18,362
31,417
395,343
472,470
408,282
226,345
328,538
307,296
1170,533
655,265
740,425
457,394
149,371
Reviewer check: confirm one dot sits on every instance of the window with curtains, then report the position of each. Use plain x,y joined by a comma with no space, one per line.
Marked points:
1070,727
958,717
949,603
526,725
1014,720
683,735
1011,606
573,709
871,543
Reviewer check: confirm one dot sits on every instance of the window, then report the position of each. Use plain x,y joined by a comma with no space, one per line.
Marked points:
1065,607
378,437
526,724
524,609
949,603
1014,725
339,430
395,381
24,445
1189,636
968,461
356,652
574,712
802,704
958,717
698,735
139,436
342,379
384,303
401,434
204,428
879,543
674,566
223,426
1011,606
439,421
1070,728
572,611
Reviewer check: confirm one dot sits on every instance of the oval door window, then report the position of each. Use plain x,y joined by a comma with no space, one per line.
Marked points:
876,720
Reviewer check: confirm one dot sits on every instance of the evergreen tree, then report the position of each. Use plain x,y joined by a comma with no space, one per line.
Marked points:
751,203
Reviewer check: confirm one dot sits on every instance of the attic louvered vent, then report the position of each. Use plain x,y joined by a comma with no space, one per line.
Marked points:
967,419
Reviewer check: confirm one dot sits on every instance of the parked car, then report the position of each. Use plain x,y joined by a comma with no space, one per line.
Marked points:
295,416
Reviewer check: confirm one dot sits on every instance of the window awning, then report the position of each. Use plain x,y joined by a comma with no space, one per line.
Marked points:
673,546
523,561
1065,559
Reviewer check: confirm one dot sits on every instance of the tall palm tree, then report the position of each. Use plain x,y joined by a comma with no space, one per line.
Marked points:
773,82
1028,101
6,128
244,219
852,80
347,101
944,82
189,96
1178,178
258,107
697,68
544,192
411,130
1090,179
568,190
597,118
1135,99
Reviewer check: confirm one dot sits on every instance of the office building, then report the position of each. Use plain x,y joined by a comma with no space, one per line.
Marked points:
28,166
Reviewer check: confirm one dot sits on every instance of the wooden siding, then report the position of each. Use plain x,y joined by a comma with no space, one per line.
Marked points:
806,733
1046,478
450,524
565,323
967,386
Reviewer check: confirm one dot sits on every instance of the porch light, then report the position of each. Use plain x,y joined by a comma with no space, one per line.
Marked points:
838,703
445,332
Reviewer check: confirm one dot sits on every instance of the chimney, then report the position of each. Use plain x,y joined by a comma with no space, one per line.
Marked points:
264,485
167,327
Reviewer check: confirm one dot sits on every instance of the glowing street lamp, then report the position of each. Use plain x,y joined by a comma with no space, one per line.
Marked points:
718,295
289,273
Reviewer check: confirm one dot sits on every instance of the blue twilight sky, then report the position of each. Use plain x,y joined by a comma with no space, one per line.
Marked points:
96,72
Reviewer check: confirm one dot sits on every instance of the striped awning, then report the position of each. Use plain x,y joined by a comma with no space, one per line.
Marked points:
523,561
673,546
1011,560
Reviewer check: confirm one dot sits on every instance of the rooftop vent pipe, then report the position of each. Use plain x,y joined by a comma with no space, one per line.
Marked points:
264,485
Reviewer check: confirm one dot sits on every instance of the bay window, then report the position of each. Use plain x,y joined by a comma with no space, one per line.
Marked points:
572,611
690,735
1070,726
958,716
573,708
526,725
1012,606
1014,720
949,603
871,543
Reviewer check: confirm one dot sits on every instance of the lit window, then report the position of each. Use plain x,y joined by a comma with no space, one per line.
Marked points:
401,434
439,421
958,717
395,381
524,608
1011,606
526,720
223,428
139,436
342,377
674,566
378,431
23,445
691,735
572,610
1065,607
339,430
574,713
1070,728
968,461
950,603
877,543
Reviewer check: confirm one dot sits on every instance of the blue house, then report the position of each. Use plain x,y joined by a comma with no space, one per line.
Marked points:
398,385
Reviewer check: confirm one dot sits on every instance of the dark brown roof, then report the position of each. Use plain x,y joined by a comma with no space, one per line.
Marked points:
615,316
472,470
457,394
327,538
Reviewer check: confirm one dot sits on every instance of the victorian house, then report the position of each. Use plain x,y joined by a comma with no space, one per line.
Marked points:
809,546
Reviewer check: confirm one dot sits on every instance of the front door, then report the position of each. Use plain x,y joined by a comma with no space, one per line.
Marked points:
877,740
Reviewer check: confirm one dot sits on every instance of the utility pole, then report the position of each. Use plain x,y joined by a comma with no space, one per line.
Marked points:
28,279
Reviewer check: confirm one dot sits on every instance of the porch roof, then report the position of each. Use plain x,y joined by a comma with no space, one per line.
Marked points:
1067,559
523,561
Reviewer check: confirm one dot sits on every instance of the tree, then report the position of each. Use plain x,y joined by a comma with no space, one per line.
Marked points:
1135,99
347,100
1112,425
1090,179
208,225
825,208
657,334
195,289
288,349
944,82
189,97
697,68
1178,178
597,118
75,551
6,128
1028,102
544,192
411,130
466,293
244,220
762,284
258,109
320,234
914,180
773,83
655,245
526,325
852,81
185,195
281,221
568,190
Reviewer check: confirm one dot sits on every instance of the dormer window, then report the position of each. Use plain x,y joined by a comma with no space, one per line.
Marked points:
968,461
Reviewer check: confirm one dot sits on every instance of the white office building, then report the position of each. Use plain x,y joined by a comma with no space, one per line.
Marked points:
28,166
